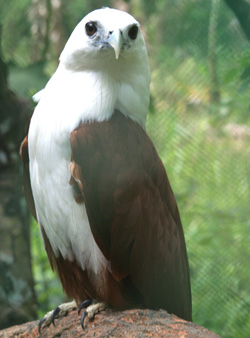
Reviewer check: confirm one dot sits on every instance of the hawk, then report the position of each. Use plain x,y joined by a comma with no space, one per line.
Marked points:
93,179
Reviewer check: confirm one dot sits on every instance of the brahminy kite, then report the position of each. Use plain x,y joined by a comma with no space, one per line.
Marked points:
94,181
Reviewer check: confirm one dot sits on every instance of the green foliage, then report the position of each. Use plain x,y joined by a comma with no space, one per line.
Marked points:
213,197
16,36
74,12
207,163
27,81
204,145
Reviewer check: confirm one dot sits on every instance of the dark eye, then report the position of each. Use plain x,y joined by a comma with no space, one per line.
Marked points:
132,33
90,28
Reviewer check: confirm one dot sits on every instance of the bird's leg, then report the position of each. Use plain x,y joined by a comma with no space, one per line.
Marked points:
92,308
61,311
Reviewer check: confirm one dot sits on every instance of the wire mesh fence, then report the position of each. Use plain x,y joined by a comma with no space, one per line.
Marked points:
199,121
203,140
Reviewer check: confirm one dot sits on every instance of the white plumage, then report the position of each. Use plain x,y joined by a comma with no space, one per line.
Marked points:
89,84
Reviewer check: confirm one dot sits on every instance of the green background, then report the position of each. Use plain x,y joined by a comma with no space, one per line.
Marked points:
198,119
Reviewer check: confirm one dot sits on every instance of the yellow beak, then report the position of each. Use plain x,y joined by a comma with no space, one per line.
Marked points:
116,40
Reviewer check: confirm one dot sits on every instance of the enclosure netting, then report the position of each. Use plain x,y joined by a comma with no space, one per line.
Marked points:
199,122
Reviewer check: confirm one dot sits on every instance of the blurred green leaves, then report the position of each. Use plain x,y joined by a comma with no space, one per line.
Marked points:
204,145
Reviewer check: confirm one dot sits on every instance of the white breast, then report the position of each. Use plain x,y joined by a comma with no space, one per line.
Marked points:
69,99
64,221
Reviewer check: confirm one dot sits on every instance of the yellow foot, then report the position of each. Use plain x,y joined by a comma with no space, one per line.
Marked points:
61,311
92,308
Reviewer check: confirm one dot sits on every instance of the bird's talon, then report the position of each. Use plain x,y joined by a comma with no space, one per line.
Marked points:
84,315
40,324
84,304
60,311
55,315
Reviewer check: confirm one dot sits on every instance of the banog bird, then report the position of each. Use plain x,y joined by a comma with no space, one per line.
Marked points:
94,181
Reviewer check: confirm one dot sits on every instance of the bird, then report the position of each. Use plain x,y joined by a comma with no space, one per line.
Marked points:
94,181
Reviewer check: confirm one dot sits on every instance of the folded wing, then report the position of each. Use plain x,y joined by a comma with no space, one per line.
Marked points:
132,211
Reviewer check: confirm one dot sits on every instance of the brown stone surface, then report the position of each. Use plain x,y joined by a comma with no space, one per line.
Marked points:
131,323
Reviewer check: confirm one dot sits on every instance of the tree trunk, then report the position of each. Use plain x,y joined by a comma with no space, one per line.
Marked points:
17,296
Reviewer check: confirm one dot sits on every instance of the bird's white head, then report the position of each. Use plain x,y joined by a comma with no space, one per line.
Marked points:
103,35
106,59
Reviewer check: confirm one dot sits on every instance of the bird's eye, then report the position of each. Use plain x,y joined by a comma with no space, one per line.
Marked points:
90,28
132,33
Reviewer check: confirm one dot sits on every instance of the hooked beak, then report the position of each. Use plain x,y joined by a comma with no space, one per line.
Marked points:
116,40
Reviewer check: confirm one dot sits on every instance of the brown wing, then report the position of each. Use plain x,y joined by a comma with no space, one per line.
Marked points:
26,174
132,211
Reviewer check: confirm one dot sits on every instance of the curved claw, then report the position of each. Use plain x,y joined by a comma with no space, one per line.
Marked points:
40,324
83,305
84,315
54,314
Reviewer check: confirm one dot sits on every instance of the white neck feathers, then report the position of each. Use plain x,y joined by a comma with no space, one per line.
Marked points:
75,97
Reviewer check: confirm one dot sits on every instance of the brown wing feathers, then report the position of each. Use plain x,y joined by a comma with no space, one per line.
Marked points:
132,211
